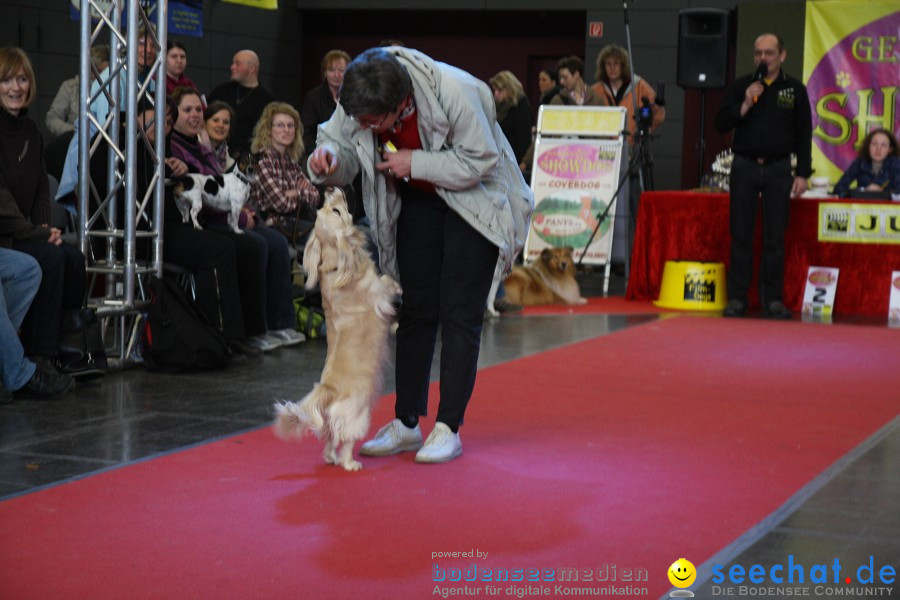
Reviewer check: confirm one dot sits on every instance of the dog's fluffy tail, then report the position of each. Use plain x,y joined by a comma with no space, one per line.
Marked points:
293,420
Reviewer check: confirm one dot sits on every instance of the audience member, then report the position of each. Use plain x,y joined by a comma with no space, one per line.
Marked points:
284,197
771,119
575,91
20,276
876,168
513,111
246,95
25,213
548,84
176,63
443,207
615,86
263,262
320,102
217,120
64,109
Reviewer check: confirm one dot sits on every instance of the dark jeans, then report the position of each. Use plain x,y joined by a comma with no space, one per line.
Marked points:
213,260
63,284
446,268
751,182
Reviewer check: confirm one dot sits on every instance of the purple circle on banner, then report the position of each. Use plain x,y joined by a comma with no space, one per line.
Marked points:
843,75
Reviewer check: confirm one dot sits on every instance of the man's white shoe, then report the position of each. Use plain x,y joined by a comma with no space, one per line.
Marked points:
441,446
393,438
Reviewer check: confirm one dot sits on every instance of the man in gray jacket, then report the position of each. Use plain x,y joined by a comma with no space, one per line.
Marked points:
447,204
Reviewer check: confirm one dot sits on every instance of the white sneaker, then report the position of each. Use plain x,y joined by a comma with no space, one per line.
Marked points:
393,438
288,337
264,342
441,446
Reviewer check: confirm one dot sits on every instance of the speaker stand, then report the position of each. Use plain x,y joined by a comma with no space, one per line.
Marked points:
701,145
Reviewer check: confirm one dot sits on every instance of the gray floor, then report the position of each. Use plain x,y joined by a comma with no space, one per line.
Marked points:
850,511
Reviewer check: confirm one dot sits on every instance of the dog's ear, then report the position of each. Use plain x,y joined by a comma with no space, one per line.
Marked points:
347,261
546,253
312,256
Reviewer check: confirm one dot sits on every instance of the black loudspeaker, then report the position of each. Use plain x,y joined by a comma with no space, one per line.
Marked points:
702,48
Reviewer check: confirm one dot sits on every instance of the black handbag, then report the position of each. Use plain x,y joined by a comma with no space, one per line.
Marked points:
81,350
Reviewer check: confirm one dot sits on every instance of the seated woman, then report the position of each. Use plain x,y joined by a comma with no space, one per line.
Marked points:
25,217
263,263
876,168
217,120
284,197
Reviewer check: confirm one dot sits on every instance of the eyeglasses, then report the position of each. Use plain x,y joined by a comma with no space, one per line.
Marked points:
369,125
283,126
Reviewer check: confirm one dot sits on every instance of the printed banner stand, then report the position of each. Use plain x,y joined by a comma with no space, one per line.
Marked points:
821,286
894,304
577,161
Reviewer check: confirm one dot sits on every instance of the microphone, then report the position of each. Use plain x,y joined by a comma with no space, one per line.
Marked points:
661,93
760,75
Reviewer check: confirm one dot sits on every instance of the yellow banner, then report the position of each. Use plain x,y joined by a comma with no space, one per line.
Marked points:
850,68
581,120
859,223
267,4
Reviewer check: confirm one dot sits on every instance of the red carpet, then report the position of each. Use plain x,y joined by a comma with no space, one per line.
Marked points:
630,450
613,305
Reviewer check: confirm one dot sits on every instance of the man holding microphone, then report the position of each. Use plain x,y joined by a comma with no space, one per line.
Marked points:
771,118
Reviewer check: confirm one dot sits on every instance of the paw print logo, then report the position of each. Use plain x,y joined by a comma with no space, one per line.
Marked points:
842,79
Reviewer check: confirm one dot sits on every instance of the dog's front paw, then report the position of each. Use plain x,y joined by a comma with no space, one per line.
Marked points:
351,465
582,301
330,456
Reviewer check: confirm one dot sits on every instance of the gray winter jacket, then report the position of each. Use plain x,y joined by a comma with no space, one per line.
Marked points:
464,155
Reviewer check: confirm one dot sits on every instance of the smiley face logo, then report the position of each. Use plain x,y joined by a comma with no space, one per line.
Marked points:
682,573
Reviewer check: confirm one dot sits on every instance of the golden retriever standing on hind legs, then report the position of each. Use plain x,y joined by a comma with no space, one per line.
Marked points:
359,308
549,280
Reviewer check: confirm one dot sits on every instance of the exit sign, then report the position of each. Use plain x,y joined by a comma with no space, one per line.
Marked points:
595,29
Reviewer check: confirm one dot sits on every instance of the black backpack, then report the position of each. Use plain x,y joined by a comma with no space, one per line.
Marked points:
177,334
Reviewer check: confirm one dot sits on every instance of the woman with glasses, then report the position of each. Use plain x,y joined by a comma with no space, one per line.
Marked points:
446,199
284,197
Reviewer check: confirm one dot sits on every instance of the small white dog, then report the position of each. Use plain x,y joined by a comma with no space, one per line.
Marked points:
359,307
228,192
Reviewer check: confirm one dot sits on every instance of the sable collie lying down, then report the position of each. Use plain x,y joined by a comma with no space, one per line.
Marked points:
549,280
359,308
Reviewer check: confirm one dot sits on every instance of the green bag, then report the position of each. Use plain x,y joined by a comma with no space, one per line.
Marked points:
310,319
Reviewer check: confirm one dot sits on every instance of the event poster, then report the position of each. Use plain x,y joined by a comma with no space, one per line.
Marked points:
851,67
573,181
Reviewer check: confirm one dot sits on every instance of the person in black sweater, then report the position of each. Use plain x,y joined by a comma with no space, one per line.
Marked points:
246,95
513,111
771,118
25,214
320,102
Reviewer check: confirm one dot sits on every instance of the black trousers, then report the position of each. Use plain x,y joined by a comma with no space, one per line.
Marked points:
63,284
213,259
446,268
751,182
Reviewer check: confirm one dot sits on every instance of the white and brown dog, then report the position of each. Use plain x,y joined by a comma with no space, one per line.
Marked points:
359,308
549,280
228,192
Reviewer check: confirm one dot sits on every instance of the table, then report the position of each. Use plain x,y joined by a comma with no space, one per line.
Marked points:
676,225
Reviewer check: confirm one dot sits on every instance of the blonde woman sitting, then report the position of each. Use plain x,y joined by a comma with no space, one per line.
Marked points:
284,197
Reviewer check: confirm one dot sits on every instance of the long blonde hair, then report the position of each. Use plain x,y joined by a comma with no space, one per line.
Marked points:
262,133
507,82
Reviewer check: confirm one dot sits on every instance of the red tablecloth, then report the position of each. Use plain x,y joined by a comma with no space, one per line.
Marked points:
694,226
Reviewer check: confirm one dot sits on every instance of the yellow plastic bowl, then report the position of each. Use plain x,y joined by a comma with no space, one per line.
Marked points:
688,285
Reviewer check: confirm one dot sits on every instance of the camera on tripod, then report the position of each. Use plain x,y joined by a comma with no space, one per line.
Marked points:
645,115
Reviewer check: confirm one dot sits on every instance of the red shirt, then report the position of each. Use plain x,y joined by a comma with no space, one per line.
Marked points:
406,135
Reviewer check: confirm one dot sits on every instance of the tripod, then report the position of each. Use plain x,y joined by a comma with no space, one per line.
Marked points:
640,164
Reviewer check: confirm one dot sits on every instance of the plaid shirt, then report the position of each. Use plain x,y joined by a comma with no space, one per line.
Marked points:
275,175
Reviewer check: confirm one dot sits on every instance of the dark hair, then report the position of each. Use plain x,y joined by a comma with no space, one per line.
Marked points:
175,44
181,91
572,64
867,141
551,73
216,106
144,104
375,83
